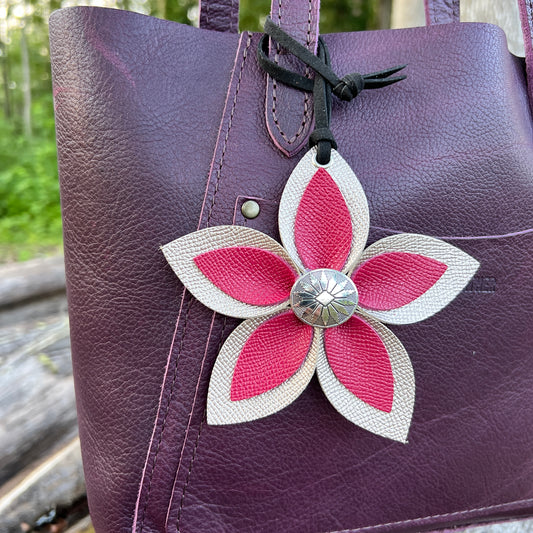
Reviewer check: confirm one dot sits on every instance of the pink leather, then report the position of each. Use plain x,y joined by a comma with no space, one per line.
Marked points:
360,361
250,275
323,227
268,359
393,279
289,112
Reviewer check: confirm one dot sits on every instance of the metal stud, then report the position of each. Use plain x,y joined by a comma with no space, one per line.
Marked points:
324,298
250,209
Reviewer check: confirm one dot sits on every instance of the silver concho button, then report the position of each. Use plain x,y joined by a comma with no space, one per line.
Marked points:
324,298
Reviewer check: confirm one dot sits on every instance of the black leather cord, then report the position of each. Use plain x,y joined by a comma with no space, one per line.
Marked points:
324,84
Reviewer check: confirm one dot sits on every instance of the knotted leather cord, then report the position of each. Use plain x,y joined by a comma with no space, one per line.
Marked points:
322,86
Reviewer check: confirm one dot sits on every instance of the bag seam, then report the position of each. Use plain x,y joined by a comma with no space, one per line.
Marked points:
444,515
160,438
193,457
230,124
209,214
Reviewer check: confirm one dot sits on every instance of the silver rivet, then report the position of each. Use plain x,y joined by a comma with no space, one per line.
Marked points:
324,298
250,209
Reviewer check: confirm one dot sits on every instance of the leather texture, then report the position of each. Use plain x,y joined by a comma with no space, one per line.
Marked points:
460,268
387,417
448,11
282,337
526,17
182,253
361,362
351,199
442,11
289,112
323,225
251,275
395,279
146,151
219,15
264,336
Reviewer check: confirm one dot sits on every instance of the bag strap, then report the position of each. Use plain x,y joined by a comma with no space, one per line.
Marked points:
288,111
442,11
220,15
290,129
526,17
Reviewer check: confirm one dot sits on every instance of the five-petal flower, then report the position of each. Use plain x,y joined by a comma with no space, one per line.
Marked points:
318,303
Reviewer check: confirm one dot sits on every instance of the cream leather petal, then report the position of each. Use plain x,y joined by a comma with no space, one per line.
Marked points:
222,410
460,269
350,189
180,255
393,425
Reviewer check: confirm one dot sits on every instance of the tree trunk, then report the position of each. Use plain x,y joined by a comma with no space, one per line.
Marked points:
26,81
5,81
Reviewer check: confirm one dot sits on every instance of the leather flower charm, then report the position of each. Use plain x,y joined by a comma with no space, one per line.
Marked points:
318,303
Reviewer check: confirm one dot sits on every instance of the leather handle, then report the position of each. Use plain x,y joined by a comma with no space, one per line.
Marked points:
219,15
288,111
442,11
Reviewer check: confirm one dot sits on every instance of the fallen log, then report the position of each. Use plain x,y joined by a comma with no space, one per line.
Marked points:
37,405
56,481
31,279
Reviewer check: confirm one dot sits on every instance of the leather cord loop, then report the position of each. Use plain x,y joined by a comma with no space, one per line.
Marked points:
323,85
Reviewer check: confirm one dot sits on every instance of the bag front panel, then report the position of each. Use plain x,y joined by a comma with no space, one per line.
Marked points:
446,152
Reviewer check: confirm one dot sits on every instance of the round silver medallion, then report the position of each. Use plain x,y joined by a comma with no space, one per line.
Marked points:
324,298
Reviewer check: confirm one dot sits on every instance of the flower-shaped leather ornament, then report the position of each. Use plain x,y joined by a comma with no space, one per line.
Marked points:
318,303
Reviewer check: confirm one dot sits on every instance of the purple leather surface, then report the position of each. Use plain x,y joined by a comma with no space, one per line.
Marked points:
144,117
526,18
289,112
219,15
442,11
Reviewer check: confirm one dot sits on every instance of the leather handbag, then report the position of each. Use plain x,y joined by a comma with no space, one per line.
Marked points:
164,130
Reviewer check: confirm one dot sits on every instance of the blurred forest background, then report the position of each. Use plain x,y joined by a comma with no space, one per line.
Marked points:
30,220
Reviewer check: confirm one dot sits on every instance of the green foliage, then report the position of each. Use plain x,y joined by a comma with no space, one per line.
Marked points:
335,15
30,218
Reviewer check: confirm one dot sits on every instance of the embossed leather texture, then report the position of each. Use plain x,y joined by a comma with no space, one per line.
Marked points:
161,130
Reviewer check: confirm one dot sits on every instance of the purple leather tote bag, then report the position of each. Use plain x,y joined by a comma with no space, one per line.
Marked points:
164,128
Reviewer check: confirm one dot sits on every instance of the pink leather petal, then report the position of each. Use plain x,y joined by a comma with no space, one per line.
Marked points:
393,279
360,361
323,227
250,275
272,354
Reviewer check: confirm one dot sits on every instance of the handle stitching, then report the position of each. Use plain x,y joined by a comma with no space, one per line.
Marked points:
306,114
